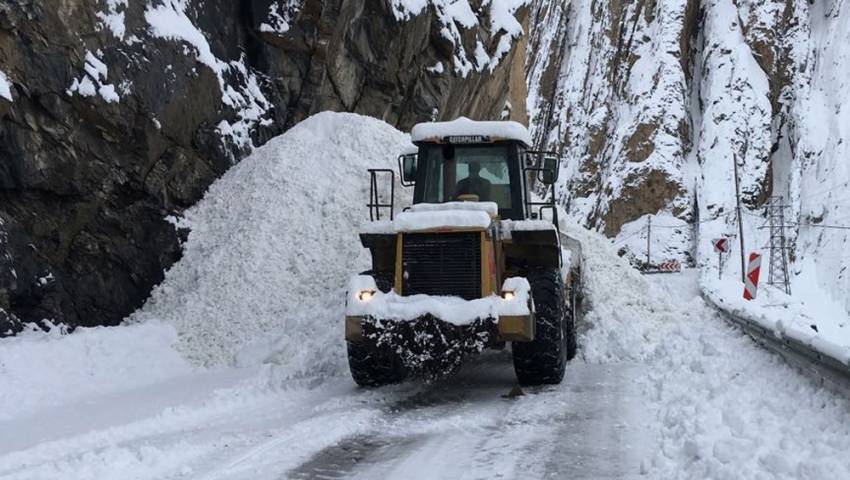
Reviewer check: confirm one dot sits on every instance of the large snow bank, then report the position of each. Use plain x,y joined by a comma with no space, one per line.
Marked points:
40,370
272,246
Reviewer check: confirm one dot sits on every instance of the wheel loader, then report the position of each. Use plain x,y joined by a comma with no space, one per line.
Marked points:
477,261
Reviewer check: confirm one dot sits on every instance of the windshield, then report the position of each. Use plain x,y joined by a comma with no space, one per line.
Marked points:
453,171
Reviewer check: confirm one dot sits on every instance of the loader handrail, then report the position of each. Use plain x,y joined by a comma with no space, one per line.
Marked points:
375,204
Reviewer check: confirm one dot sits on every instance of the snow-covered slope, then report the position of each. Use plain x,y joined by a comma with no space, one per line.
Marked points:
272,246
651,105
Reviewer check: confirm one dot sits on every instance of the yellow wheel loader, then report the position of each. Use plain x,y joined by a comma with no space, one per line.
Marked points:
474,263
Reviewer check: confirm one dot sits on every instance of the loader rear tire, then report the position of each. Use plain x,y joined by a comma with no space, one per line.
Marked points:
543,360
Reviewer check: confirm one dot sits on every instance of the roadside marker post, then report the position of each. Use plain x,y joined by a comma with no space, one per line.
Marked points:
751,281
721,246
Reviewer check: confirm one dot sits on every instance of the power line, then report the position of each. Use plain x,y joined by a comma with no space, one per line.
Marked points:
824,191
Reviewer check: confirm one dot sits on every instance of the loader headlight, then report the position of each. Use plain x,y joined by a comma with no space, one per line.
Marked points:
508,294
365,295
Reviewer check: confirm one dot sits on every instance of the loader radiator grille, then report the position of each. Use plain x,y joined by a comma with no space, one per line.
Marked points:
442,264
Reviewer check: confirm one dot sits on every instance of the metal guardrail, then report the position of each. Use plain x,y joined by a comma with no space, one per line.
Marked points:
821,367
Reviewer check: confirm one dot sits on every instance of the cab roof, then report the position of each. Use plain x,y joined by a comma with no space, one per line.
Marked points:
464,130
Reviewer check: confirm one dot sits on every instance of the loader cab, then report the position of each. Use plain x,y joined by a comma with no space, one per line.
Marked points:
473,169
482,172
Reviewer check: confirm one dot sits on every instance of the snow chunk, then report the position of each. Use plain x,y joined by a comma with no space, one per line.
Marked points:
527,225
93,82
429,220
5,87
437,68
434,131
492,208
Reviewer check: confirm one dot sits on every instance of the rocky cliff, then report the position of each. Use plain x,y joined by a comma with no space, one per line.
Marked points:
116,115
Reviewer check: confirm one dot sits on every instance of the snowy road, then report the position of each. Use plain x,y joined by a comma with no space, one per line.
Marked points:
463,427
643,403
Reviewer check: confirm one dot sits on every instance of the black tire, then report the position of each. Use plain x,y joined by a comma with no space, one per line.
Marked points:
572,317
544,360
371,366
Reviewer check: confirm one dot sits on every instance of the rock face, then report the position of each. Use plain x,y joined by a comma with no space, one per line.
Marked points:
652,104
120,113
610,85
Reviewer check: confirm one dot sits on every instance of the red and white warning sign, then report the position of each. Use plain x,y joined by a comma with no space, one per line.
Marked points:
751,282
721,245
670,266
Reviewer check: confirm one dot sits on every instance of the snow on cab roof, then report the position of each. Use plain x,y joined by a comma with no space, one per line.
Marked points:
464,127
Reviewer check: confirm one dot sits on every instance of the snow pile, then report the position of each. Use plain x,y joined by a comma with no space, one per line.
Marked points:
273,245
462,127
720,407
41,370
5,87
457,16
454,310
240,87
94,81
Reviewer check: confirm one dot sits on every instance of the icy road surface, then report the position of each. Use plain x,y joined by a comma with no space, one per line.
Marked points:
462,427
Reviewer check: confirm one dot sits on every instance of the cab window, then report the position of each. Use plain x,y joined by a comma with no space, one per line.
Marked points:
455,172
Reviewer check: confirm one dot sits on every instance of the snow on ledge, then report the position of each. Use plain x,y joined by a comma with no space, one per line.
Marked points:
454,310
527,225
492,208
435,131
5,87
417,221
784,316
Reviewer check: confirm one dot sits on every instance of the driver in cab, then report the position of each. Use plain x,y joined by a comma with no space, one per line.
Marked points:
474,184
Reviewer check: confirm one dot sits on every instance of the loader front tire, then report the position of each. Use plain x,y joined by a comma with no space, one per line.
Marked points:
543,360
371,366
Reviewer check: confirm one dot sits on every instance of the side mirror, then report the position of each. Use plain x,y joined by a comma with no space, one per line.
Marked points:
549,174
407,165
